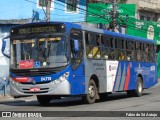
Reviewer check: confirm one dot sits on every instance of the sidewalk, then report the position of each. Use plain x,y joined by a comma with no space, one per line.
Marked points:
7,99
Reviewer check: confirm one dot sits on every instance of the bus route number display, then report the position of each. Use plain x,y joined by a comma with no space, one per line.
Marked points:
37,29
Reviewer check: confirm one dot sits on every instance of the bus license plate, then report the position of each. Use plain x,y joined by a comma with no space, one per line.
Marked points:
35,89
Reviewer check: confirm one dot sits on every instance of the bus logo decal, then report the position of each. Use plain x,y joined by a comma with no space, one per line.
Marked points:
30,79
34,82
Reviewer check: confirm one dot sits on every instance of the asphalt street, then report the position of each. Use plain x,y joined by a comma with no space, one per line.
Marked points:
116,102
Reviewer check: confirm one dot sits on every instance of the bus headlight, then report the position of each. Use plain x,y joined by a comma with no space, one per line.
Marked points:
61,79
14,82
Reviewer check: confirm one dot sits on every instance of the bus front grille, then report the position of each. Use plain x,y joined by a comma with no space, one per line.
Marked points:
42,90
36,92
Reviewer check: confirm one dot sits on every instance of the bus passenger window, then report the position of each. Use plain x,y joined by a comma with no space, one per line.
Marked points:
146,47
120,55
146,51
137,46
76,48
151,48
86,39
109,54
93,48
138,56
130,45
130,55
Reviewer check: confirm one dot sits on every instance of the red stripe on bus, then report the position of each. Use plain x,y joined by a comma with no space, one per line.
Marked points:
20,79
127,78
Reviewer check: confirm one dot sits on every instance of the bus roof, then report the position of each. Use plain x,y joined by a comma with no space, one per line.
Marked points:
125,36
92,29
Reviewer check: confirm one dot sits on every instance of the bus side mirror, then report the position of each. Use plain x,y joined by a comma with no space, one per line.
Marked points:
5,47
75,45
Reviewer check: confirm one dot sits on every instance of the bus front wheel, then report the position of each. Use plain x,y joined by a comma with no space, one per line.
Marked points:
43,100
90,98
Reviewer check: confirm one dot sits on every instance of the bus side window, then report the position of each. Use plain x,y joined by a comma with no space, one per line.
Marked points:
96,46
138,53
88,42
146,52
111,46
92,39
120,53
98,40
151,53
130,50
107,49
86,38
76,48
93,48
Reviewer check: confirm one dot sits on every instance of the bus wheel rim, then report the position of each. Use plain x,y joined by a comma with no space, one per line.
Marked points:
91,92
140,88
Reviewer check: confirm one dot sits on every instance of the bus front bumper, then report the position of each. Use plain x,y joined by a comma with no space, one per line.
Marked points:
18,89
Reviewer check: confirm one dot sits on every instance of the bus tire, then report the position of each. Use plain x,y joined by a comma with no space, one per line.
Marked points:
138,91
139,88
90,98
43,99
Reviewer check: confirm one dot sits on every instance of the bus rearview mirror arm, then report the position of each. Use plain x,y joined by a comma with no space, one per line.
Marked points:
4,47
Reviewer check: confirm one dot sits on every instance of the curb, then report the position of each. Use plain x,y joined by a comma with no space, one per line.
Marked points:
11,101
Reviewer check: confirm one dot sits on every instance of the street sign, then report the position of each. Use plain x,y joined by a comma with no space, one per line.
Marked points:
37,64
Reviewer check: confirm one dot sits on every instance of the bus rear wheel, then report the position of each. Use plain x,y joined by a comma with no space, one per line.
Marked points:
90,98
139,89
43,99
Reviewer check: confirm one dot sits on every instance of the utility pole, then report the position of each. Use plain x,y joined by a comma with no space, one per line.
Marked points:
48,6
114,17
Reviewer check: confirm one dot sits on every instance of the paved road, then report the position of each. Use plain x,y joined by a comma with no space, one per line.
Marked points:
150,101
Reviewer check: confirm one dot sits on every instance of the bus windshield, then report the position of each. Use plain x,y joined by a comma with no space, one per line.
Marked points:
39,52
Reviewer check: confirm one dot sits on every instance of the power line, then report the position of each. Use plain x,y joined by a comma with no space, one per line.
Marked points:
50,7
128,25
90,12
84,10
130,20
60,9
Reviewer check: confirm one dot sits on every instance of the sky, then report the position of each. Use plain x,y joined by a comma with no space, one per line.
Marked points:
9,9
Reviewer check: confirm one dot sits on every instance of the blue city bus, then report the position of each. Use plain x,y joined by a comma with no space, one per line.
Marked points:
60,59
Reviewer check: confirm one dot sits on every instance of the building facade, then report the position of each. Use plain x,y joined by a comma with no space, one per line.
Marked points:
147,9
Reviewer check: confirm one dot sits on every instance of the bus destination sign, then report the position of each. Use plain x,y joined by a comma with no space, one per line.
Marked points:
38,29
